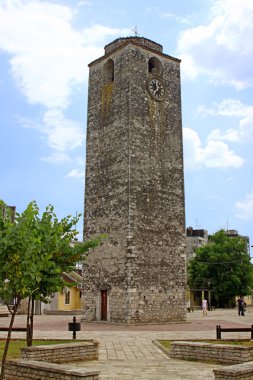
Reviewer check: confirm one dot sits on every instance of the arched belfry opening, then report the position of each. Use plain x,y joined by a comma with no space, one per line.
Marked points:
109,71
155,66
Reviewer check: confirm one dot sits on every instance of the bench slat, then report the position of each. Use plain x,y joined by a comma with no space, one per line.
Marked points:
13,329
236,329
219,330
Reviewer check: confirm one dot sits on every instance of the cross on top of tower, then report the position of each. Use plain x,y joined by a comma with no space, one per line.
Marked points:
135,30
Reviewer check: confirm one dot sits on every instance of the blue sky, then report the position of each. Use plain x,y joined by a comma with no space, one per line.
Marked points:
45,47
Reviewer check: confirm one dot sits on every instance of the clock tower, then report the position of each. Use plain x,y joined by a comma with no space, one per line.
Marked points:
134,186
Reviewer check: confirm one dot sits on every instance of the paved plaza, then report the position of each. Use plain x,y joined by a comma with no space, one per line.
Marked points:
128,352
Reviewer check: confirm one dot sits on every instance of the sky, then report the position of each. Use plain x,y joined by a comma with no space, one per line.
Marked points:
45,47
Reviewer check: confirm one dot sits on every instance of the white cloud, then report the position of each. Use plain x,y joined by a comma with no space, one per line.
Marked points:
189,66
62,135
221,48
168,14
227,107
230,134
181,20
215,154
76,173
98,33
82,3
48,58
231,108
48,54
245,207
192,149
56,157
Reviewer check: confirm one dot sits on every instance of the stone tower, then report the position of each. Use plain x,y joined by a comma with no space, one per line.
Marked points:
134,190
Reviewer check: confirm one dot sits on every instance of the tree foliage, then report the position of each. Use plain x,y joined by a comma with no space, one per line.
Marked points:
222,265
34,251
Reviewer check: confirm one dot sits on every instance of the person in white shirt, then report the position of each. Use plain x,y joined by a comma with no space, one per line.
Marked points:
204,307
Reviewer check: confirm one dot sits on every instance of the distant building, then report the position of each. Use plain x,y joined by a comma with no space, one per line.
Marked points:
233,233
66,301
8,211
69,299
194,239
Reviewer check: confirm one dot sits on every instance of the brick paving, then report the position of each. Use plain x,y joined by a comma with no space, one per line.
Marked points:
128,352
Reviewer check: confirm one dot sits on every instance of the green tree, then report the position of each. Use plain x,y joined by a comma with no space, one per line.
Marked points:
224,264
34,252
55,238
51,280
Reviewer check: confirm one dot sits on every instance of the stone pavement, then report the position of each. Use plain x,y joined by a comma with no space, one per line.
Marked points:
128,352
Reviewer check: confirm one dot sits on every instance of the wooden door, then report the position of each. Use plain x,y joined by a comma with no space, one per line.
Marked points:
103,305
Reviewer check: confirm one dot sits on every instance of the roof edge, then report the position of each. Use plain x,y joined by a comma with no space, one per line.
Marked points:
135,44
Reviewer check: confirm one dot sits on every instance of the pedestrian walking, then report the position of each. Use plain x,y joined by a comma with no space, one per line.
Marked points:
204,307
240,304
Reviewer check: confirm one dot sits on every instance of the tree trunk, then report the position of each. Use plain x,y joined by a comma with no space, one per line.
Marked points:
8,339
29,322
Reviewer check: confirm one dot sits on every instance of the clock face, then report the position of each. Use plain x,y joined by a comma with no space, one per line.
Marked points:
156,88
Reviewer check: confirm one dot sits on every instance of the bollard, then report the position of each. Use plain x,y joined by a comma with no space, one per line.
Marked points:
218,332
74,326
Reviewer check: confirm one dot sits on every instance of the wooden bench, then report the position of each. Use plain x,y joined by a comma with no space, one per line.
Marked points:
32,369
219,330
4,314
236,371
21,329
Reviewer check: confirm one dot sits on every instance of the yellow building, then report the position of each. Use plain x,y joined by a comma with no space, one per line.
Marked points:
71,296
69,299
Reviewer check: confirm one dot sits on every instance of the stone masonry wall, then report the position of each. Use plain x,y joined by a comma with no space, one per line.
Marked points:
134,191
62,353
220,353
19,369
237,372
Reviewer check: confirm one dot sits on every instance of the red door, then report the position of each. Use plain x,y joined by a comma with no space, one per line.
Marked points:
103,305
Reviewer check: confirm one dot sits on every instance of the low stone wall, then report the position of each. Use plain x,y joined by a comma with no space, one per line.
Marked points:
20,369
219,353
238,371
63,312
62,353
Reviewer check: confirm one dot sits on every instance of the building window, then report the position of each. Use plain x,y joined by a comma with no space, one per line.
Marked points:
67,297
109,71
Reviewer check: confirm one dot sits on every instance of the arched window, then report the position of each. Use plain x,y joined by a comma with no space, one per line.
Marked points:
109,71
154,66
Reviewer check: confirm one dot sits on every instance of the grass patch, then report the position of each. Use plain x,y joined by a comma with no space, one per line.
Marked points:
165,343
16,345
246,343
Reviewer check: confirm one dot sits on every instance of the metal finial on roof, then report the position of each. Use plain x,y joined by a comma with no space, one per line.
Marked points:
135,30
